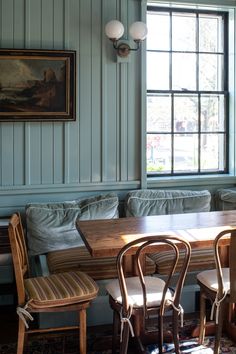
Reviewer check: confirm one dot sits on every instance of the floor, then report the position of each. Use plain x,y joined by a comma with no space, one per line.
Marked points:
99,337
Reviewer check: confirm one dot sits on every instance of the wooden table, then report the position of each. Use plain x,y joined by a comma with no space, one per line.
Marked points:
104,238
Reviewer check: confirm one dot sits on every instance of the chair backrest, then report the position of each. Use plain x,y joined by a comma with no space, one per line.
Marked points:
19,255
146,245
232,263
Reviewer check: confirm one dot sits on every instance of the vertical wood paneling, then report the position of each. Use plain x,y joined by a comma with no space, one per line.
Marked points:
58,149
7,154
33,31
7,31
34,40
85,79
58,24
109,113
7,23
47,142
19,24
134,102
103,144
71,129
18,128
35,153
97,34
58,128
124,68
18,154
47,24
66,130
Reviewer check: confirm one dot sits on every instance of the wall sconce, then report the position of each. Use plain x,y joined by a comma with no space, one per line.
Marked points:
115,30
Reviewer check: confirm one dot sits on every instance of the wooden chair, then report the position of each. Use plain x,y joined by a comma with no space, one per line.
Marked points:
135,300
219,286
70,291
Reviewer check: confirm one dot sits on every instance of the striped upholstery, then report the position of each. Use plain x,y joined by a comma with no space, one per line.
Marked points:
79,258
200,259
60,289
161,202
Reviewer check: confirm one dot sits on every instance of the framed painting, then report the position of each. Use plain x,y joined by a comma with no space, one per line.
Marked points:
37,85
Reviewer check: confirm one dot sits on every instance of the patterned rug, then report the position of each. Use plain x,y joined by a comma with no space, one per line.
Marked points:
100,343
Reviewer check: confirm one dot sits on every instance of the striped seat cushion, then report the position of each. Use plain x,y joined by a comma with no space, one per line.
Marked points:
201,259
79,258
60,289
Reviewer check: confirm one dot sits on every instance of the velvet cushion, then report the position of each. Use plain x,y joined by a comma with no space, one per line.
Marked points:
61,289
226,199
161,202
52,226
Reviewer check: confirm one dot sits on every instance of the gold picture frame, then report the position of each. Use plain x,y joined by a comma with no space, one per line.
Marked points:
37,85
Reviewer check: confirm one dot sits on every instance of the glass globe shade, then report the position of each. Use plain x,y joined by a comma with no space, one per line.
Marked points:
114,29
138,31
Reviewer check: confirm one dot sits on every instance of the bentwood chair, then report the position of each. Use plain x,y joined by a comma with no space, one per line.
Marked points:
219,286
138,301
71,291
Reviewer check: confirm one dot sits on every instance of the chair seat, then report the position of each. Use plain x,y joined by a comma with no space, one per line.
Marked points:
154,286
200,259
79,258
60,289
209,279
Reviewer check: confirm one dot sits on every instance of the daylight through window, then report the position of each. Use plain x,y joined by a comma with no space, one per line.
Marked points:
187,92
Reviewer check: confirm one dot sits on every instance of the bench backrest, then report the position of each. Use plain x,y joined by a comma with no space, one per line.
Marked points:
160,202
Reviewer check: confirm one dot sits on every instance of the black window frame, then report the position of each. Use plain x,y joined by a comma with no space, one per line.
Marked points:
225,92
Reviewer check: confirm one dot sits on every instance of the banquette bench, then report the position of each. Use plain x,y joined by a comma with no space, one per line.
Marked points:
54,240
161,202
51,229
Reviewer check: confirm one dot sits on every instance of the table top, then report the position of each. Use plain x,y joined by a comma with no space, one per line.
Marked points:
104,238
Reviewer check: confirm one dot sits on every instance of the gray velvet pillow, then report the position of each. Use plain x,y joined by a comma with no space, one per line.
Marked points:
52,226
160,202
226,199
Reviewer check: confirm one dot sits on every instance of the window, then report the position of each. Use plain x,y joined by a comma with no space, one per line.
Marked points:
187,92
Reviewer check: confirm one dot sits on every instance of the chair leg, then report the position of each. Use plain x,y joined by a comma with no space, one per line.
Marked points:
83,332
21,337
125,339
219,328
116,323
176,331
202,317
160,333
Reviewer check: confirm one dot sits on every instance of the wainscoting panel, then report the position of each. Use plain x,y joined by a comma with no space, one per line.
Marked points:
103,144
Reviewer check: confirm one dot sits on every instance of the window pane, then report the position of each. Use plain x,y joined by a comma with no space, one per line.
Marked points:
185,153
184,71
210,72
212,113
184,32
186,113
187,91
210,33
159,113
212,152
157,71
158,153
158,24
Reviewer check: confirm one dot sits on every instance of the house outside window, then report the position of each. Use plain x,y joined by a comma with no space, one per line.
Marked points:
187,92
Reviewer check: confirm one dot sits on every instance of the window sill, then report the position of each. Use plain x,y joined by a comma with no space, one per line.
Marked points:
188,181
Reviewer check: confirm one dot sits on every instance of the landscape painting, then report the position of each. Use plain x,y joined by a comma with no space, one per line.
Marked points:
37,85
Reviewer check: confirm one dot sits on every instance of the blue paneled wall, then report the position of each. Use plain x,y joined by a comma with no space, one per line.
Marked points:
101,149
